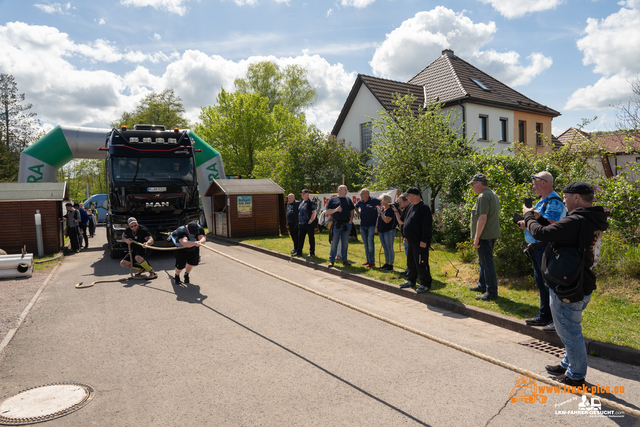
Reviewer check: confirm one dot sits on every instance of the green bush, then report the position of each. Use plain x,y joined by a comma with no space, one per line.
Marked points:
467,252
618,256
451,224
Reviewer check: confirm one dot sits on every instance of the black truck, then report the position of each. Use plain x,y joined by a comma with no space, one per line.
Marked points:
151,176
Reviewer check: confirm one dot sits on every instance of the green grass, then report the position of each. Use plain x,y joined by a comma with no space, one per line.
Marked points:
613,315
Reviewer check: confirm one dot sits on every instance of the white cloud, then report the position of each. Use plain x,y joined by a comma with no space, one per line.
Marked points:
173,6
610,45
157,36
62,9
329,12
357,3
421,39
247,2
43,61
101,21
519,8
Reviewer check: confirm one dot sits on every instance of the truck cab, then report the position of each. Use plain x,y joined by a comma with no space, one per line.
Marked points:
151,176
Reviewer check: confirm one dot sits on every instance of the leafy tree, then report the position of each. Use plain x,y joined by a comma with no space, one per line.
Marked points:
288,88
420,149
238,127
18,127
163,108
84,177
312,160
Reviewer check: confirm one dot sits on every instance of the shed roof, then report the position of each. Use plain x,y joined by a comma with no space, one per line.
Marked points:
29,191
243,186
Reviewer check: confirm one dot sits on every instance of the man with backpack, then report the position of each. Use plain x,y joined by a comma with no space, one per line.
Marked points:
579,233
550,207
307,215
72,218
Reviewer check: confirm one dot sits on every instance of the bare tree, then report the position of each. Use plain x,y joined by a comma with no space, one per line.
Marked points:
628,115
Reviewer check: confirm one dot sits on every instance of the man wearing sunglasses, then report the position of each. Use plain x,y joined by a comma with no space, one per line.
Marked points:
550,207
138,233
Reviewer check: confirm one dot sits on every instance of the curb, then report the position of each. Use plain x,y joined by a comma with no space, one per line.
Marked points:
605,350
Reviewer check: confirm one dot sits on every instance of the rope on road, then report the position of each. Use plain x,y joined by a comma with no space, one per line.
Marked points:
613,405
81,285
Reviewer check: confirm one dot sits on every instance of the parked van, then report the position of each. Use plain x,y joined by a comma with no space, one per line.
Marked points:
98,199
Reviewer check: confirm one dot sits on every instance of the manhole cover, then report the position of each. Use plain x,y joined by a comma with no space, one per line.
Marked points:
44,403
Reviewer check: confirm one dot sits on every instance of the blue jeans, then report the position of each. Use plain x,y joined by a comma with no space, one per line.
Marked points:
367,233
487,279
567,318
536,260
386,240
340,235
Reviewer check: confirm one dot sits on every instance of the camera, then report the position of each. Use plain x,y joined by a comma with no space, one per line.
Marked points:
528,202
395,204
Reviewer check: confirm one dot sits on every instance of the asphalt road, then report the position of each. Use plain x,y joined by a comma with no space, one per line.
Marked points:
240,348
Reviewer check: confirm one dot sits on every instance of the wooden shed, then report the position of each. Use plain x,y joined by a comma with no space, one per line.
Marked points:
18,205
246,207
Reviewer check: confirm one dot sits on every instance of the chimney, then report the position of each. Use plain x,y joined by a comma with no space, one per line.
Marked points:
448,52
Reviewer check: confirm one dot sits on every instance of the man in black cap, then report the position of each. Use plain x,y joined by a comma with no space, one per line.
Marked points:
417,230
138,233
582,227
189,238
485,229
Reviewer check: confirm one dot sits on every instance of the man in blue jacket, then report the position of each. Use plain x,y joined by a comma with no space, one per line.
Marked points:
366,208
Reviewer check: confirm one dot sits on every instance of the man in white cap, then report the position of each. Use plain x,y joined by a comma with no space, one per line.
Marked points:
138,233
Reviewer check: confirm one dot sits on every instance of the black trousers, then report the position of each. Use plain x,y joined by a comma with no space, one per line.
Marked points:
417,269
92,228
73,238
303,230
83,227
293,232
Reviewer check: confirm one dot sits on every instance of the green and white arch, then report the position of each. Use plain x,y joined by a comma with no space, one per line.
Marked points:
41,160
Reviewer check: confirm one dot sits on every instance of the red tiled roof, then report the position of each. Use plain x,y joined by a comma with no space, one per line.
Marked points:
616,143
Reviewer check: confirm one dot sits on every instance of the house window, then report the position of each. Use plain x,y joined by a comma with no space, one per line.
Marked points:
483,130
504,136
365,136
521,131
538,133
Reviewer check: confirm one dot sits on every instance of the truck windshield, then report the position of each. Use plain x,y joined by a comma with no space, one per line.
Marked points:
152,170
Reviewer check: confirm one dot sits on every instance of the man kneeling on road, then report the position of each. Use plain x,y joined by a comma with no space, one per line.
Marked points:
138,233
189,238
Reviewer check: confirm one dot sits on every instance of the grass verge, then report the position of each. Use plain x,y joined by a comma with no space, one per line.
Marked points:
613,315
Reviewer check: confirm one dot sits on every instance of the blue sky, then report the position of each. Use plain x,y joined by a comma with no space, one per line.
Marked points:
84,63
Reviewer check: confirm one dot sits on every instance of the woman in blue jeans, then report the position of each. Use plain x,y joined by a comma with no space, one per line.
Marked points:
386,227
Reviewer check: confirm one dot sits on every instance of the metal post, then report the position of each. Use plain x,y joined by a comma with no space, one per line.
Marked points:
39,233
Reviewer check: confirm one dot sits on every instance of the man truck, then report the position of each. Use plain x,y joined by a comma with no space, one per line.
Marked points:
151,176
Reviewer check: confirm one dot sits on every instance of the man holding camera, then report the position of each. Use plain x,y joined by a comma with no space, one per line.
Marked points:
581,229
341,209
417,230
550,207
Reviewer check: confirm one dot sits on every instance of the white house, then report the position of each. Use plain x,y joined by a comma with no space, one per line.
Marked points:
488,108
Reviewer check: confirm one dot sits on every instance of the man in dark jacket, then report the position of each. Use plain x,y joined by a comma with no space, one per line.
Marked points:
417,230
292,220
583,219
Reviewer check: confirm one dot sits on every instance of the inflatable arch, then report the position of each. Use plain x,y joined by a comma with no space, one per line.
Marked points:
41,160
